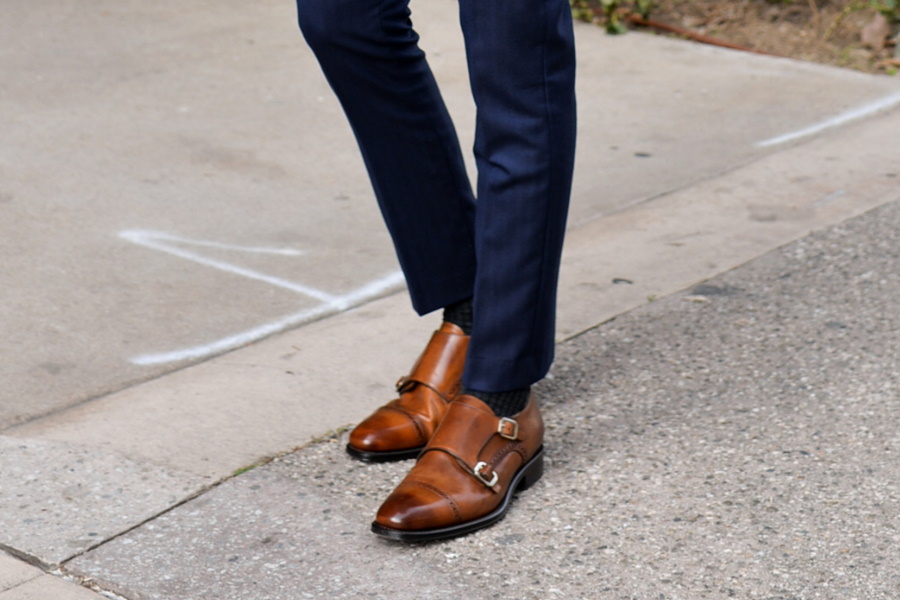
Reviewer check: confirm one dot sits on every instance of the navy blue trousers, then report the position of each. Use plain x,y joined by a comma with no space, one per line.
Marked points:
502,250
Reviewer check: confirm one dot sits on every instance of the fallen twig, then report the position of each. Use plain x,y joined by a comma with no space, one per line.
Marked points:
691,35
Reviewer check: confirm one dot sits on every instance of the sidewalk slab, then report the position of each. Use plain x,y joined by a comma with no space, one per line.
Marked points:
737,439
21,581
57,500
658,115
678,239
14,572
48,587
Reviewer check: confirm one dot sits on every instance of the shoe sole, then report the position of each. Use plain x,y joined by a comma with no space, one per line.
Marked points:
387,456
524,478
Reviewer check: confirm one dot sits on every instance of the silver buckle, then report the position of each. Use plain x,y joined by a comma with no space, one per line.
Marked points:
477,471
401,383
505,425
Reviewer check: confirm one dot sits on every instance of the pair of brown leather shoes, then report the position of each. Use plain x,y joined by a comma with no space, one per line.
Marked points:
470,462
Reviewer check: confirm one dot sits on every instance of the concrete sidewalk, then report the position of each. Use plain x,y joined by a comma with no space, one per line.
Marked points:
736,436
738,439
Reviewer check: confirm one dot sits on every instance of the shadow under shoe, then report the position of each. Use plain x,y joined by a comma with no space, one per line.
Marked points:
467,474
401,428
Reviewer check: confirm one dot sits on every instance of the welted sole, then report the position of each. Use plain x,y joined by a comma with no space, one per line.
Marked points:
378,457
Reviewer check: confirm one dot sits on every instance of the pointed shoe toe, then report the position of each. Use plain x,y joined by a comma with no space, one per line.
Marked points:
412,506
387,435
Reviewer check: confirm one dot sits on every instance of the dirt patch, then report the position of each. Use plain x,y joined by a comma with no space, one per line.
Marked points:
845,33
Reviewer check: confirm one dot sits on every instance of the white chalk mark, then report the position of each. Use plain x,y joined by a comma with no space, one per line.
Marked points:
330,304
371,290
846,117
830,198
158,240
137,236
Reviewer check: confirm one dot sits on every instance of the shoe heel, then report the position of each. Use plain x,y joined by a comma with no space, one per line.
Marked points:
533,471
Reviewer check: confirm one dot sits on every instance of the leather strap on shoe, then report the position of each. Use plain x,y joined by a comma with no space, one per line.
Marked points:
487,477
483,469
406,384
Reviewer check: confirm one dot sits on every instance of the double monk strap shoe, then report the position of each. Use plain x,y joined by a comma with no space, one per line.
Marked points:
401,428
465,478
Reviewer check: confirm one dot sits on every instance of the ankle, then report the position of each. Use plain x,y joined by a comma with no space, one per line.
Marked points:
504,404
460,314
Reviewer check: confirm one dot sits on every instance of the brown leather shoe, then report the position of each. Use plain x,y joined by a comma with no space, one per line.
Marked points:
402,427
465,477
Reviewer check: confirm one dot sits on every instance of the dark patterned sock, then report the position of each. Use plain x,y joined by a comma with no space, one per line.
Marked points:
504,404
460,314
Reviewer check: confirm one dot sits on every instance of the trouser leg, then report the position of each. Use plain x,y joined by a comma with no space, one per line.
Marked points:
369,53
521,65
522,71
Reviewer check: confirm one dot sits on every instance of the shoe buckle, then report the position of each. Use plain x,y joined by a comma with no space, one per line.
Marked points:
508,429
481,478
401,383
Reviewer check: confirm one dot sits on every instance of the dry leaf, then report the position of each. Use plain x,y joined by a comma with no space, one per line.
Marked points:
875,33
